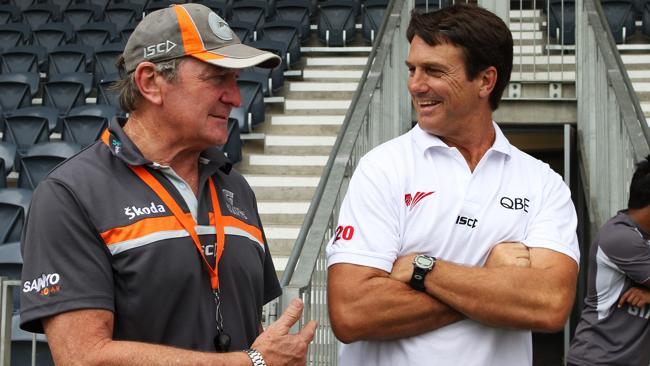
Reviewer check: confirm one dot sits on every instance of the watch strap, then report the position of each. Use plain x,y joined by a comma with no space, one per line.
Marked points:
417,280
256,357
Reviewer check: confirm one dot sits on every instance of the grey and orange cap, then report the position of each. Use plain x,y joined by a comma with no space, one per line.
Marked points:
191,30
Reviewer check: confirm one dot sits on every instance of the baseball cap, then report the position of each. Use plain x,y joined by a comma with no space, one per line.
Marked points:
191,30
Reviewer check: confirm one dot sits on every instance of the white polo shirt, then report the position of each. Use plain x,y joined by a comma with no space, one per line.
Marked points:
416,194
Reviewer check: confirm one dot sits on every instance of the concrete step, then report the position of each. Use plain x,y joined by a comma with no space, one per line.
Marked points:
345,86
308,106
291,165
289,188
355,63
543,76
526,15
299,145
321,74
282,212
281,239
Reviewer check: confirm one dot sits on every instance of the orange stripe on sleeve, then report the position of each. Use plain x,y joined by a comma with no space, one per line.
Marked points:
141,228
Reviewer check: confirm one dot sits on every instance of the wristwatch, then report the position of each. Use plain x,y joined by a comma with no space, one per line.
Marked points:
422,264
256,357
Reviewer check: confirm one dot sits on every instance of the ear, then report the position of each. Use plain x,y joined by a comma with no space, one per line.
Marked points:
488,79
148,82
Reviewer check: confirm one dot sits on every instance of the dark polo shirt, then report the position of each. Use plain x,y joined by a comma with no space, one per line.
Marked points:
96,236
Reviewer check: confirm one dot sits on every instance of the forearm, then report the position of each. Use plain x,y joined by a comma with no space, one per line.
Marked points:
122,353
510,297
380,308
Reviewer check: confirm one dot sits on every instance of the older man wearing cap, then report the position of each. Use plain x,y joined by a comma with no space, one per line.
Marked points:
146,248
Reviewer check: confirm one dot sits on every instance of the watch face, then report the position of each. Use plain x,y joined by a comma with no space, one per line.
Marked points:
423,261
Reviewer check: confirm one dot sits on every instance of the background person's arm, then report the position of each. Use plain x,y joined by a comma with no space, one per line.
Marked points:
84,337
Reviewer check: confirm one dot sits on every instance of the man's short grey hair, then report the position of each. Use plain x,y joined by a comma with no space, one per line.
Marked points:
128,93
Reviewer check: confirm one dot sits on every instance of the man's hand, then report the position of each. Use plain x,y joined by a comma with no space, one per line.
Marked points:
403,268
278,347
509,254
635,296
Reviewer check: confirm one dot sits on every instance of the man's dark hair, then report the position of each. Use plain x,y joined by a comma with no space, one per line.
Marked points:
483,37
640,185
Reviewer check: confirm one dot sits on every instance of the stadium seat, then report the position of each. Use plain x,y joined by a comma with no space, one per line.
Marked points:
63,95
311,5
122,14
9,13
100,3
14,204
262,76
79,14
267,5
221,7
286,32
562,28
620,16
336,26
431,5
96,34
40,159
125,32
373,15
279,48
295,11
61,4
23,59
84,125
245,31
106,58
25,131
153,5
251,111
15,92
252,11
21,346
69,58
14,34
104,93
83,78
8,158
232,148
38,14
52,35
40,111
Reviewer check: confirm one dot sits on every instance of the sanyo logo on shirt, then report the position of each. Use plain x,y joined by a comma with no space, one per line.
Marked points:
41,283
132,212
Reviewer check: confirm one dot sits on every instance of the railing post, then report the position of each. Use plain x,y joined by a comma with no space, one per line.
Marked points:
6,301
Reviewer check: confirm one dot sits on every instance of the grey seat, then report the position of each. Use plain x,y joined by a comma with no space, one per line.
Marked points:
122,14
285,32
40,159
8,158
233,146
14,204
620,16
277,74
252,11
295,11
15,34
50,114
105,95
84,125
63,95
79,14
106,58
38,14
373,16
15,92
336,26
25,131
221,7
245,31
262,76
23,59
561,21
69,58
51,35
82,78
9,13
96,33
251,111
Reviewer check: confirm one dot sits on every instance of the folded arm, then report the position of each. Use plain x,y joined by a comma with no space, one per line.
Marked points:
538,298
366,304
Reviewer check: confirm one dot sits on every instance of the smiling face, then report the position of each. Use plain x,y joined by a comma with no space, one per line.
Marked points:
445,100
198,103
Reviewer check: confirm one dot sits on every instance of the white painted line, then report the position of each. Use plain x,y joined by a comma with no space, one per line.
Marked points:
641,87
265,208
274,232
635,59
527,49
335,49
281,181
518,14
337,61
543,76
273,99
288,160
527,26
645,107
332,74
638,74
526,36
293,104
544,60
277,140
307,86
307,120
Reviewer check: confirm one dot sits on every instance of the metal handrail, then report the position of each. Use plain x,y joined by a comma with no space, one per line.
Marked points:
320,189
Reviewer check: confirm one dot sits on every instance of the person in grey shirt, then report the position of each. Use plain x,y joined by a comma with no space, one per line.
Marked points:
615,324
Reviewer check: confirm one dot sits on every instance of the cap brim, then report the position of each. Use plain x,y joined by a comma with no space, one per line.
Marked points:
239,56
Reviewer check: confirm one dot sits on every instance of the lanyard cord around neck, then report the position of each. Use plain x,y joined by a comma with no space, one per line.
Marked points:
188,222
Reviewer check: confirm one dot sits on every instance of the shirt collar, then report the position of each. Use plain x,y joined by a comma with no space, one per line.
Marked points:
425,140
124,149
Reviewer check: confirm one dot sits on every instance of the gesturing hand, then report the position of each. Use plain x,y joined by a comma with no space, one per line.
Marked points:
278,347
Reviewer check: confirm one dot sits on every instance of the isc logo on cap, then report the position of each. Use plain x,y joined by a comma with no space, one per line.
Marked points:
156,49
